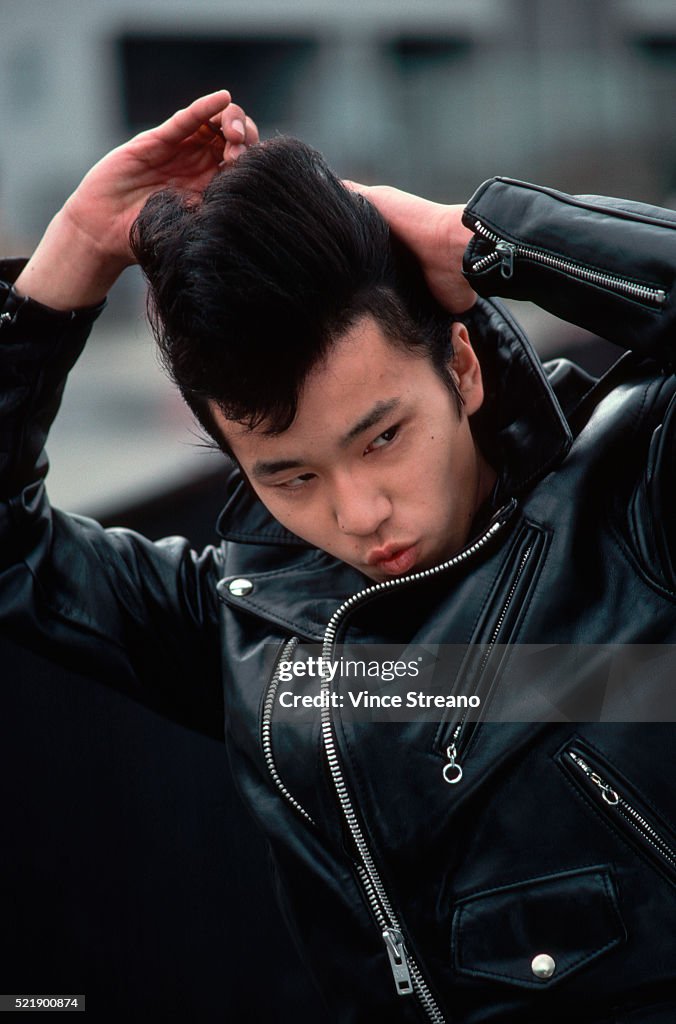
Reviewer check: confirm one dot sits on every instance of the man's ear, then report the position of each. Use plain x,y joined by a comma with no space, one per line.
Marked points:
465,369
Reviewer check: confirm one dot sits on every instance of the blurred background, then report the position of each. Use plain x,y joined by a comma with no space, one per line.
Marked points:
157,899
429,95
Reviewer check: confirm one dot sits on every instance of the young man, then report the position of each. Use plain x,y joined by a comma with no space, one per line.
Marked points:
403,479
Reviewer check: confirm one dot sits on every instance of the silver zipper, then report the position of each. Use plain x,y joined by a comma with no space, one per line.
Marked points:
266,728
506,252
371,881
392,937
622,807
396,951
452,771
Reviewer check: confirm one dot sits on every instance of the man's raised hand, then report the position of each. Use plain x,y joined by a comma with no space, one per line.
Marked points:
86,246
434,233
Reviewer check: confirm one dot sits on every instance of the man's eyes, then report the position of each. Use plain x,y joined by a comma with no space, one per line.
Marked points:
383,439
296,483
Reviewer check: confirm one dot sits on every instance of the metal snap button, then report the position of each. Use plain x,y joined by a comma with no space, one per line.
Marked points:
543,965
240,588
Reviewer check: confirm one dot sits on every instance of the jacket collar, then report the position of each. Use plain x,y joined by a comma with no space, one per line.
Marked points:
520,428
245,520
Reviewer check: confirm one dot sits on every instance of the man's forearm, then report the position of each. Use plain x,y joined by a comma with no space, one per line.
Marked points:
605,264
38,346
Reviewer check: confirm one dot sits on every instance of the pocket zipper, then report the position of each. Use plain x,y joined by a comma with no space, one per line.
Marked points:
621,807
452,771
506,252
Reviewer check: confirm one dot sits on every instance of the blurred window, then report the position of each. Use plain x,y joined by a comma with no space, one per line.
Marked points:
162,73
661,48
431,79
657,68
418,55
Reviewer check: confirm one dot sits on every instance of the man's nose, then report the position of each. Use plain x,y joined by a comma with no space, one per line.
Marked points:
360,506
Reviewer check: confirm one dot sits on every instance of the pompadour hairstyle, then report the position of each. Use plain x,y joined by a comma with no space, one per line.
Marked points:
253,281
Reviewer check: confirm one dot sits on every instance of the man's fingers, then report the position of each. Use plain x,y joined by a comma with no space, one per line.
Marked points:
397,207
252,136
233,153
239,132
233,124
354,186
186,122
212,119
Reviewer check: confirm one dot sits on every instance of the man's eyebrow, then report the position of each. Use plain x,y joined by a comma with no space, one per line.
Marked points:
380,410
263,468
373,416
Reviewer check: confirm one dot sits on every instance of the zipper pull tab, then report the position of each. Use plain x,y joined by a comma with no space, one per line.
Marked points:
607,792
507,253
394,944
452,772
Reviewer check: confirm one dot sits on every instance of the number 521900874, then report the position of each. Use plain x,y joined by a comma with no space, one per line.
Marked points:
42,1002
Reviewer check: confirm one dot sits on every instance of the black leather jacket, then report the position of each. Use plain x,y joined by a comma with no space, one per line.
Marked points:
417,900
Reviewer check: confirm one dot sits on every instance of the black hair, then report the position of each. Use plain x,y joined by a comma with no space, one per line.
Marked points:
252,281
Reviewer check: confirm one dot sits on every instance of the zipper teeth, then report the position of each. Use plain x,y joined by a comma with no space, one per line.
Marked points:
494,638
486,261
505,608
372,898
375,891
377,588
423,993
652,836
373,886
266,729
381,905
639,291
629,813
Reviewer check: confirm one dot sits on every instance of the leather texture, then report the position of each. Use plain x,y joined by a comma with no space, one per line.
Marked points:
518,859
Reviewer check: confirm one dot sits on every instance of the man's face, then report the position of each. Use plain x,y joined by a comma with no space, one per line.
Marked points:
378,467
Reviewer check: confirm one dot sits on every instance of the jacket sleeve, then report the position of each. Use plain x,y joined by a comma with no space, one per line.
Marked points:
605,264
139,616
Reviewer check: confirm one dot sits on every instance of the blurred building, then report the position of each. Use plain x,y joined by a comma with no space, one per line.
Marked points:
434,95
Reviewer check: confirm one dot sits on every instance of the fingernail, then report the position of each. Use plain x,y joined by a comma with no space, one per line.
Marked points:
236,152
239,127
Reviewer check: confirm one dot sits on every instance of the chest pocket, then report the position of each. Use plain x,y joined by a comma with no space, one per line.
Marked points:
536,933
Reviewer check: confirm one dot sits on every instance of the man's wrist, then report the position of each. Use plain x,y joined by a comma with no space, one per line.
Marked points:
67,271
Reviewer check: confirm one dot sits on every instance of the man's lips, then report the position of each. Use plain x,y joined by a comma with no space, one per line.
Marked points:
393,558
